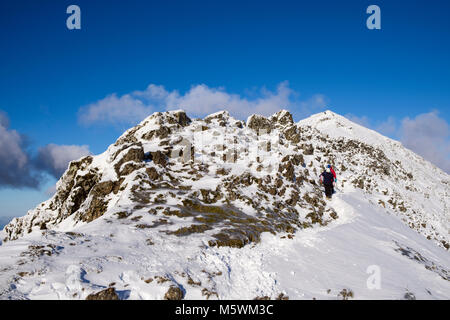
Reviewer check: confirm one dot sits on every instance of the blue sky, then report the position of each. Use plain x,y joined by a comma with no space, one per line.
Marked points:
308,54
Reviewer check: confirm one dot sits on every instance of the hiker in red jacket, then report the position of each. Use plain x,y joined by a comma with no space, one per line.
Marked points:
332,171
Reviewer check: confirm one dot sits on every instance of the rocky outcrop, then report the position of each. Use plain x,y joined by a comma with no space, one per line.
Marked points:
292,134
130,159
226,188
259,124
181,118
174,293
158,158
97,203
283,118
72,190
107,294
221,118
161,133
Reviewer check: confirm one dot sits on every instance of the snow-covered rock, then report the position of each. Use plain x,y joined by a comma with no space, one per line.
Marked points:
222,208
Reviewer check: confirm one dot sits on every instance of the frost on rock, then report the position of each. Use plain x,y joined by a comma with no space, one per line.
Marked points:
235,180
188,202
140,168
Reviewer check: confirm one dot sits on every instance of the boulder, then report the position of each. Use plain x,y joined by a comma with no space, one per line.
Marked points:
107,294
259,123
182,119
174,293
283,117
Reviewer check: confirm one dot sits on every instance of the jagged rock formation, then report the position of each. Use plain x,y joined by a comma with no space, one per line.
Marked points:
233,180
177,206
155,166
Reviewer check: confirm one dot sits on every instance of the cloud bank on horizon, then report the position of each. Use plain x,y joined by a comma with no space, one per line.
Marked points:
20,168
200,100
15,169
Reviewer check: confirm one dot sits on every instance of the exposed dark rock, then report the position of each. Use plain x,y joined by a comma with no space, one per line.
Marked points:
107,294
409,296
287,170
282,296
292,134
308,149
258,123
346,294
239,124
122,214
283,117
222,171
174,293
96,209
162,132
182,119
80,191
159,158
185,231
152,173
134,153
129,168
98,205
222,117
208,293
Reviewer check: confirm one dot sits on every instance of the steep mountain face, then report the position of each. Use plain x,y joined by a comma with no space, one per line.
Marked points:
175,204
214,176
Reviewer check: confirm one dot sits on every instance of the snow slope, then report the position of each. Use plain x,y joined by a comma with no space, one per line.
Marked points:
414,189
341,257
244,223
316,263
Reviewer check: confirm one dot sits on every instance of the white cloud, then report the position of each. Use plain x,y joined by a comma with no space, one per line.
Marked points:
202,100
429,136
199,100
113,109
55,158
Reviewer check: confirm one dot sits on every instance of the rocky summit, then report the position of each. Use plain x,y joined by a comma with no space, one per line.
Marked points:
220,208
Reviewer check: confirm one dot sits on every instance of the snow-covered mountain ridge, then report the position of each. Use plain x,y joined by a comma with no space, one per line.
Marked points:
213,208
410,186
